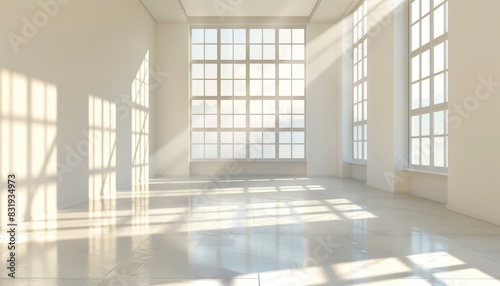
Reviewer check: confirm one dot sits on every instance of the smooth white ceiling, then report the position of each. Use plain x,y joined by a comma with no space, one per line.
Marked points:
186,11
248,8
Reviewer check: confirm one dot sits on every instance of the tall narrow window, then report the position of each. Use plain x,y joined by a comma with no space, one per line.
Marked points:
429,84
360,84
248,93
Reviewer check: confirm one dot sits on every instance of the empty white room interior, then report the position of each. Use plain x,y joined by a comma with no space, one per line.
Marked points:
250,142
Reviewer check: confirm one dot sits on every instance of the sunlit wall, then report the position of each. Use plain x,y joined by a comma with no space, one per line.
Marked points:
28,148
102,148
140,124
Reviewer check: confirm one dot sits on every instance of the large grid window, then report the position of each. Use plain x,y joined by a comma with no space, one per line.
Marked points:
429,84
360,83
248,93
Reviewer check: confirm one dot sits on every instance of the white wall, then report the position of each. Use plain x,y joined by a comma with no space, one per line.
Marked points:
474,136
358,172
386,92
74,50
430,186
173,101
324,42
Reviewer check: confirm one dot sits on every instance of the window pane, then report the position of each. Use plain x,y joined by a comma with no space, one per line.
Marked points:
426,64
210,121
439,123
285,36
240,36
197,36
269,36
415,95
269,106
298,107
298,88
269,88
285,107
298,137
197,71
439,152
425,152
240,71
285,71
197,107
256,107
198,87
239,52
426,31
211,71
197,152
439,58
298,36
211,87
226,151
211,36
210,106
415,10
439,25
226,71
239,88
256,87
197,52
255,36
226,52
255,71
240,107
415,125
240,137
211,151
425,92
269,121
415,68
298,121
285,151
426,124
439,89
415,151
256,52
298,151
285,88
226,137
210,137
198,137
269,152
425,6
226,107
226,87
269,52
298,71
269,71
415,36
285,52
226,35
210,52
298,52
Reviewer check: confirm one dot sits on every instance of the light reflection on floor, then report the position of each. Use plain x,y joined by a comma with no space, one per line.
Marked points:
257,231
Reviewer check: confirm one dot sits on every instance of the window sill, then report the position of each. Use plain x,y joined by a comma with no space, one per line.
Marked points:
423,172
356,163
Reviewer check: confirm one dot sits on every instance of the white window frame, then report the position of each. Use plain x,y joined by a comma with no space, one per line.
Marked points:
247,98
360,83
434,105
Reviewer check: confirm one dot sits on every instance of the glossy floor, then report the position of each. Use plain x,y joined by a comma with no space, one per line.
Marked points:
256,231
